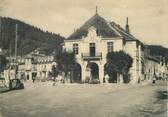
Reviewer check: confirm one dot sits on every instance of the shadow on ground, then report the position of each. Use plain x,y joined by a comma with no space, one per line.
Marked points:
5,91
8,90
162,95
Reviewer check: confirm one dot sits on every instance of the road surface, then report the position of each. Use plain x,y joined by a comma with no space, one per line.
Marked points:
84,100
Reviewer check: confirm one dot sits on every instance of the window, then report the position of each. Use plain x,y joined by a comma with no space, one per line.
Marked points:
92,49
92,44
75,48
109,46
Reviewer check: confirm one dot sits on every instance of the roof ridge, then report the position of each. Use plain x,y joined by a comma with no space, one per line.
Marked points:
115,25
114,29
109,25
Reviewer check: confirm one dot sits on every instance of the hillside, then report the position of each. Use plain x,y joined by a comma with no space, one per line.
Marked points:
156,50
29,37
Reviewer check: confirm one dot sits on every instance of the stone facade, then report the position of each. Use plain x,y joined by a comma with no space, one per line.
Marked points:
93,47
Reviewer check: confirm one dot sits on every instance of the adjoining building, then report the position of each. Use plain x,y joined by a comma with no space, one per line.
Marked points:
163,69
152,68
32,66
93,40
155,68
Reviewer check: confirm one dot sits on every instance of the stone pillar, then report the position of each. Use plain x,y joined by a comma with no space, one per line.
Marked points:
30,76
121,79
101,73
140,65
83,71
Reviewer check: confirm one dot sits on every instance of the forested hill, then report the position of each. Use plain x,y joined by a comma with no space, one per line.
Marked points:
29,37
156,50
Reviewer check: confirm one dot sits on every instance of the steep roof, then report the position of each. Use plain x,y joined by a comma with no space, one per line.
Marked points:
153,58
103,28
125,35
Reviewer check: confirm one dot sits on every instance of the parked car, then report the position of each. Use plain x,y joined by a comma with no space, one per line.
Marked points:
15,84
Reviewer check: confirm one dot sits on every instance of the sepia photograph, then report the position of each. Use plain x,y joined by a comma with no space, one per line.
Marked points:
83,58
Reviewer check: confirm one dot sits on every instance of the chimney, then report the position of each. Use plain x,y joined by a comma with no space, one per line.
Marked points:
127,26
96,10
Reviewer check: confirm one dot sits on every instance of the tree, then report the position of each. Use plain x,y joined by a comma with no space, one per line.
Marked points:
119,62
66,61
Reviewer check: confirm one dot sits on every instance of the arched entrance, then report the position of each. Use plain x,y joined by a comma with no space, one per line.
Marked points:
77,75
94,70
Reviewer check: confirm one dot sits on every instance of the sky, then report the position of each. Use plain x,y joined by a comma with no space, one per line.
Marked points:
148,19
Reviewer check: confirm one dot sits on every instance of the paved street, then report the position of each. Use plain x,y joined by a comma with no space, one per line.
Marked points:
84,100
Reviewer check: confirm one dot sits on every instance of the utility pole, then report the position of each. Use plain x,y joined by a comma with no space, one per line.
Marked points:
0,28
1,33
9,60
16,38
1,42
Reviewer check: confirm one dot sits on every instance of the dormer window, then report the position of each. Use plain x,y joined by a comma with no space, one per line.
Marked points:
75,48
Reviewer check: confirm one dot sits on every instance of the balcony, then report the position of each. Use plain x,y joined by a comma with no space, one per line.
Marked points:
88,56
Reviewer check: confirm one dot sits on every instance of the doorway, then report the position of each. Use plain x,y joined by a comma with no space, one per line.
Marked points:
94,69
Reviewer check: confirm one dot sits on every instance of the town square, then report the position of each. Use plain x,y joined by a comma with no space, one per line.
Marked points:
83,58
74,100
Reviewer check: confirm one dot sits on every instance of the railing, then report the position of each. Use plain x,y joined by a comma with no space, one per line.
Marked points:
87,56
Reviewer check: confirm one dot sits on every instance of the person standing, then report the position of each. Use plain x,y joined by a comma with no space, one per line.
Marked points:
106,78
154,80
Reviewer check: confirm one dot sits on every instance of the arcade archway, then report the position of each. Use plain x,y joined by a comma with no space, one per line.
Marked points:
94,70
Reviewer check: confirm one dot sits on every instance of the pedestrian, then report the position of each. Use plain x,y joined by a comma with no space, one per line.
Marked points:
154,80
33,78
106,78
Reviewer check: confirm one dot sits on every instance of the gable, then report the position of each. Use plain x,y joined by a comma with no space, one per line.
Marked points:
103,28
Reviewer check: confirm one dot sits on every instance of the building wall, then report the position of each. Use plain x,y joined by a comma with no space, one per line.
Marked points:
152,69
9,74
130,47
39,65
43,69
133,48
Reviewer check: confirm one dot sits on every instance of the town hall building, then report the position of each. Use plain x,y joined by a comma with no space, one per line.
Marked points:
97,37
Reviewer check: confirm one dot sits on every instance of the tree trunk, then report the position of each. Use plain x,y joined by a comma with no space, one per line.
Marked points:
119,78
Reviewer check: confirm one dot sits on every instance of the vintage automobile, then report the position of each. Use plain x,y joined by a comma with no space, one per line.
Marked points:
15,84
